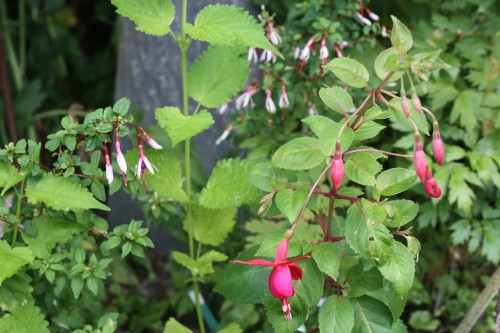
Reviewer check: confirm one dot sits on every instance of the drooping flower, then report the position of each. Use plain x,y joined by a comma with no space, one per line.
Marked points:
313,111
419,160
273,35
224,135
416,103
152,142
267,56
270,106
323,51
120,159
296,52
223,108
109,168
252,55
431,186
337,169
438,146
245,99
363,19
283,101
405,105
282,276
372,15
143,162
306,51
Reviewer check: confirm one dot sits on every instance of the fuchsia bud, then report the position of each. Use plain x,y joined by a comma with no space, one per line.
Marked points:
109,168
273,35
419,160
245,99
313,111
416,103
431,186
363,19
405,105
306,51
438,146
270,106
283,101
337,169
372,15
224,135
120,159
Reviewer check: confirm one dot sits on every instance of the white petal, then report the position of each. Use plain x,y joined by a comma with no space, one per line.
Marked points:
154,144
149,165
304,54
109,173
138,169
122,164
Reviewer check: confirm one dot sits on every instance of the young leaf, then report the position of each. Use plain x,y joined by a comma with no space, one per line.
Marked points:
336,315
401,37
327,131
368,130
399,269
181,127
227,25
386,62
299,154
327,257
14,291
228,185
351,71
274,312
62,194
395,181
217,75
231,328
173,326
290,202
12,260
371,315
401,212
152,17
121,106
336,99
9,176
361,168
210,226
24,318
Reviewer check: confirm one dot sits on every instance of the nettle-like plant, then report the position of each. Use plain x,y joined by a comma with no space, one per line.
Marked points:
357,255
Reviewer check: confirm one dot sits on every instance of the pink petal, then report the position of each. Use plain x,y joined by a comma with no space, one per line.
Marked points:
280,282
296,271
282,251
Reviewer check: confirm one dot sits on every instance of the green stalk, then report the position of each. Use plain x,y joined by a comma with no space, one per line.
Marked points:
184,46
16,73
18,213
22,37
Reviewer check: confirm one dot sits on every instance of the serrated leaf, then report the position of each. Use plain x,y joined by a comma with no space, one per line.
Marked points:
350,71
24,318
361,168
180,127
173,326
336,99
299,154
290,202
327,257
368,130
261,176
231,328
465,108
336,315
9,176
401,37
228,185
49,232
371,316
228,25
167,180
14,291
327,131
399,269
121,106
400,212
244,283
274,312
395,301
386,62
395,181
310,287
363,281
152,17
210,226
62,194
12,260
217,75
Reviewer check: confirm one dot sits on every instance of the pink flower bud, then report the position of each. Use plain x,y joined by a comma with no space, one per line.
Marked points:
405,105
420,161
416,103
432,188
337,169
323,51
153,143
363,19
438,147
372,15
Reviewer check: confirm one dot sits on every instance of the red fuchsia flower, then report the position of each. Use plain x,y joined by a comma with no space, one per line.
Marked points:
337,169
109,168
419,160
416,103
270,106
306,51
143,162
245,99
405,105
431,186
438,146
252,55
273,35
372,15
282,276
283,101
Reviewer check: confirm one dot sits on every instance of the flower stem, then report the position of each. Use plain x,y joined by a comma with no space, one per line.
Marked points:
377,150
18,213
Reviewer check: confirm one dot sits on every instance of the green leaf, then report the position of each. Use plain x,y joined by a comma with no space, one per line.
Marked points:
217,75
371,316
401,123
24,318
299,154
465,108
395,301
336,99
327,257
423,321
49,232
173,326
387,61
210,226
363,281
368,130
152,17
290,202
62,194
9,176
395,181
228,185
121,106
202,266
399,269
401,37
274,312
327,131
231,328
400,212
351,71
227,25
12,260
310,287
244,283
181,127
336,315
361,168
261,176
14,291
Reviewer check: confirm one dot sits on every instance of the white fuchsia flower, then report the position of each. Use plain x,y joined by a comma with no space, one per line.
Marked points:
363,19
109,167
224,135
252,55
143,162
273,35
372,15
270,106
245,99
296,52
120,159
268,56
223,108
283,101
323,51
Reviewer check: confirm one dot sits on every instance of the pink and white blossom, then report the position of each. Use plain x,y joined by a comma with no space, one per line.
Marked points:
283,101
252,55
270,106
244,100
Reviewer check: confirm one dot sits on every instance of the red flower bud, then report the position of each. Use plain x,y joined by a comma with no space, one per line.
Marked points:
405,105
438,148
416,103
432,188
420,161
337,170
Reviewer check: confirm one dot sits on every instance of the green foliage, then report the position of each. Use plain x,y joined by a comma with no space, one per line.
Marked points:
371,315
336,99
9,176
328,131
12,260
210,226
173,326
361,168
25,318
290,202
299,154
336,315
401,37
350,71
327,257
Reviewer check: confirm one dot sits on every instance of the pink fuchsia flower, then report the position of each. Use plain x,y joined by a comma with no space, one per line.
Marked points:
267,56
282,276
323,51
143,162
245,99
152,142
416,103
273,35
419,160
405,105
306,51
363,19
283,101
431,186
270,106
252,55
337,169
120,159
372,15
438,146
109,168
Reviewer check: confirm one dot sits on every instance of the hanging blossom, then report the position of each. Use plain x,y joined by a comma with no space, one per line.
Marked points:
223,108
339,52
363,19
283,101
245,99
268,56
282,276
109,167
150,141
306,51
252,55
372,15
120,159
323,51
312,109
224,135
273,35
296,52
143,162
270,106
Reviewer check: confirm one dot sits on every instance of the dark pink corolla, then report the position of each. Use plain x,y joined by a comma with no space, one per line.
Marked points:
337,170
438,147
420,161
431,186
282,276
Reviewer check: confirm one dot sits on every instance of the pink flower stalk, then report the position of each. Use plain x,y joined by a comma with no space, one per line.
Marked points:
283,101
405,105
270,106
416,103
431,186
109,168
282,276
337,169
419,160
363,19
372,15
323,51
244,99
252,55
224,135
143,162
306,51
273,35
150,141
438,147
339,53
